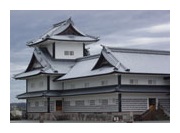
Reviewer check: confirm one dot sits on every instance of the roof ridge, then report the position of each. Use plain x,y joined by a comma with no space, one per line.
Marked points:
47,65
140,51
88,57
67,21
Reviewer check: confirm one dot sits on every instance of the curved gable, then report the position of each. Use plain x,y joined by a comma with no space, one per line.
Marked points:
102,61
34,64
70,30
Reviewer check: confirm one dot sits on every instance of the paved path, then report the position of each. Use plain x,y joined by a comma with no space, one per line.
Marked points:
68,121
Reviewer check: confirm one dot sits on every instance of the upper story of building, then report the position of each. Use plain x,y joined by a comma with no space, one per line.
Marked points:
59,55
64,41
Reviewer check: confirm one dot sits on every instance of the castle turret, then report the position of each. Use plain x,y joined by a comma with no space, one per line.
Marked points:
64,41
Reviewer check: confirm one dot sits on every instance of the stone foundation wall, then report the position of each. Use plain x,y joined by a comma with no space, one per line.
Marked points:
90,117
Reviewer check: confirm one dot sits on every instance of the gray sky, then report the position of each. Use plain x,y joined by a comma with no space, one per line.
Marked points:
133,29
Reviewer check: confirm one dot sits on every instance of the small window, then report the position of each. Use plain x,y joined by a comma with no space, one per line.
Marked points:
104,82
66,52
133,81
72,103
114,100
100,101
86,85
151,82
87,102
36,103
71,52
52,106
79,103
92,102
104,102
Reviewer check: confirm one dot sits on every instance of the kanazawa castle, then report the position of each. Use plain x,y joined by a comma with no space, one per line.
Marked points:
63,78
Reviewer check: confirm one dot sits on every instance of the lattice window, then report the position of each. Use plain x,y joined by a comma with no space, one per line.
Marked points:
104,101
151,82
36,103
104,82
92,102
86,85
133,81
79,103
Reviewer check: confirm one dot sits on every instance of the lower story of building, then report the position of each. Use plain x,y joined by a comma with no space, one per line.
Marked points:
108,102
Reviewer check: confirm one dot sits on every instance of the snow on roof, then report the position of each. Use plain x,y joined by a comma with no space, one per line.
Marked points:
123,61
49,65
86,66
144,61
27,74
96,90
55,34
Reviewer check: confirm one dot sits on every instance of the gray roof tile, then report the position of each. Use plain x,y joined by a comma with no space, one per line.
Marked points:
125,61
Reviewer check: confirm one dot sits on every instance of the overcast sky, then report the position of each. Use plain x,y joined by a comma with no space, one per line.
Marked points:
133,29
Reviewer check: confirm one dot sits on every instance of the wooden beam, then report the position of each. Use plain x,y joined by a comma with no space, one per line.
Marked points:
119,101
54,50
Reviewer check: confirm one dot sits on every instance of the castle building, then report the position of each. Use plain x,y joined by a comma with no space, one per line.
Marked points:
62,76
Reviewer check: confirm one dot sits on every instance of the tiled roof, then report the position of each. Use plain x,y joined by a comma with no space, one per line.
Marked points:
123,61
49,65
96,90
55,34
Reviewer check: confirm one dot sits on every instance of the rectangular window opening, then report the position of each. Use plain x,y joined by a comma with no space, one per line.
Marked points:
104,82
151,82
86,85
133,81
69,53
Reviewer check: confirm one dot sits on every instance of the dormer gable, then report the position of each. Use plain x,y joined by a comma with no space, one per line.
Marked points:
108,59
102,61
70,30
34,64
63,31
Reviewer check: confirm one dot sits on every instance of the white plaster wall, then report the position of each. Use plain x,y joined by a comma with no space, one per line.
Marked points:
37,83
68,46
92,81
95,97
143,79
55,85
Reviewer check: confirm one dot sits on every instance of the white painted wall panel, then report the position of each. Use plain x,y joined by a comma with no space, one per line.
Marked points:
92,82
143,79
68,46
55,85
38,83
